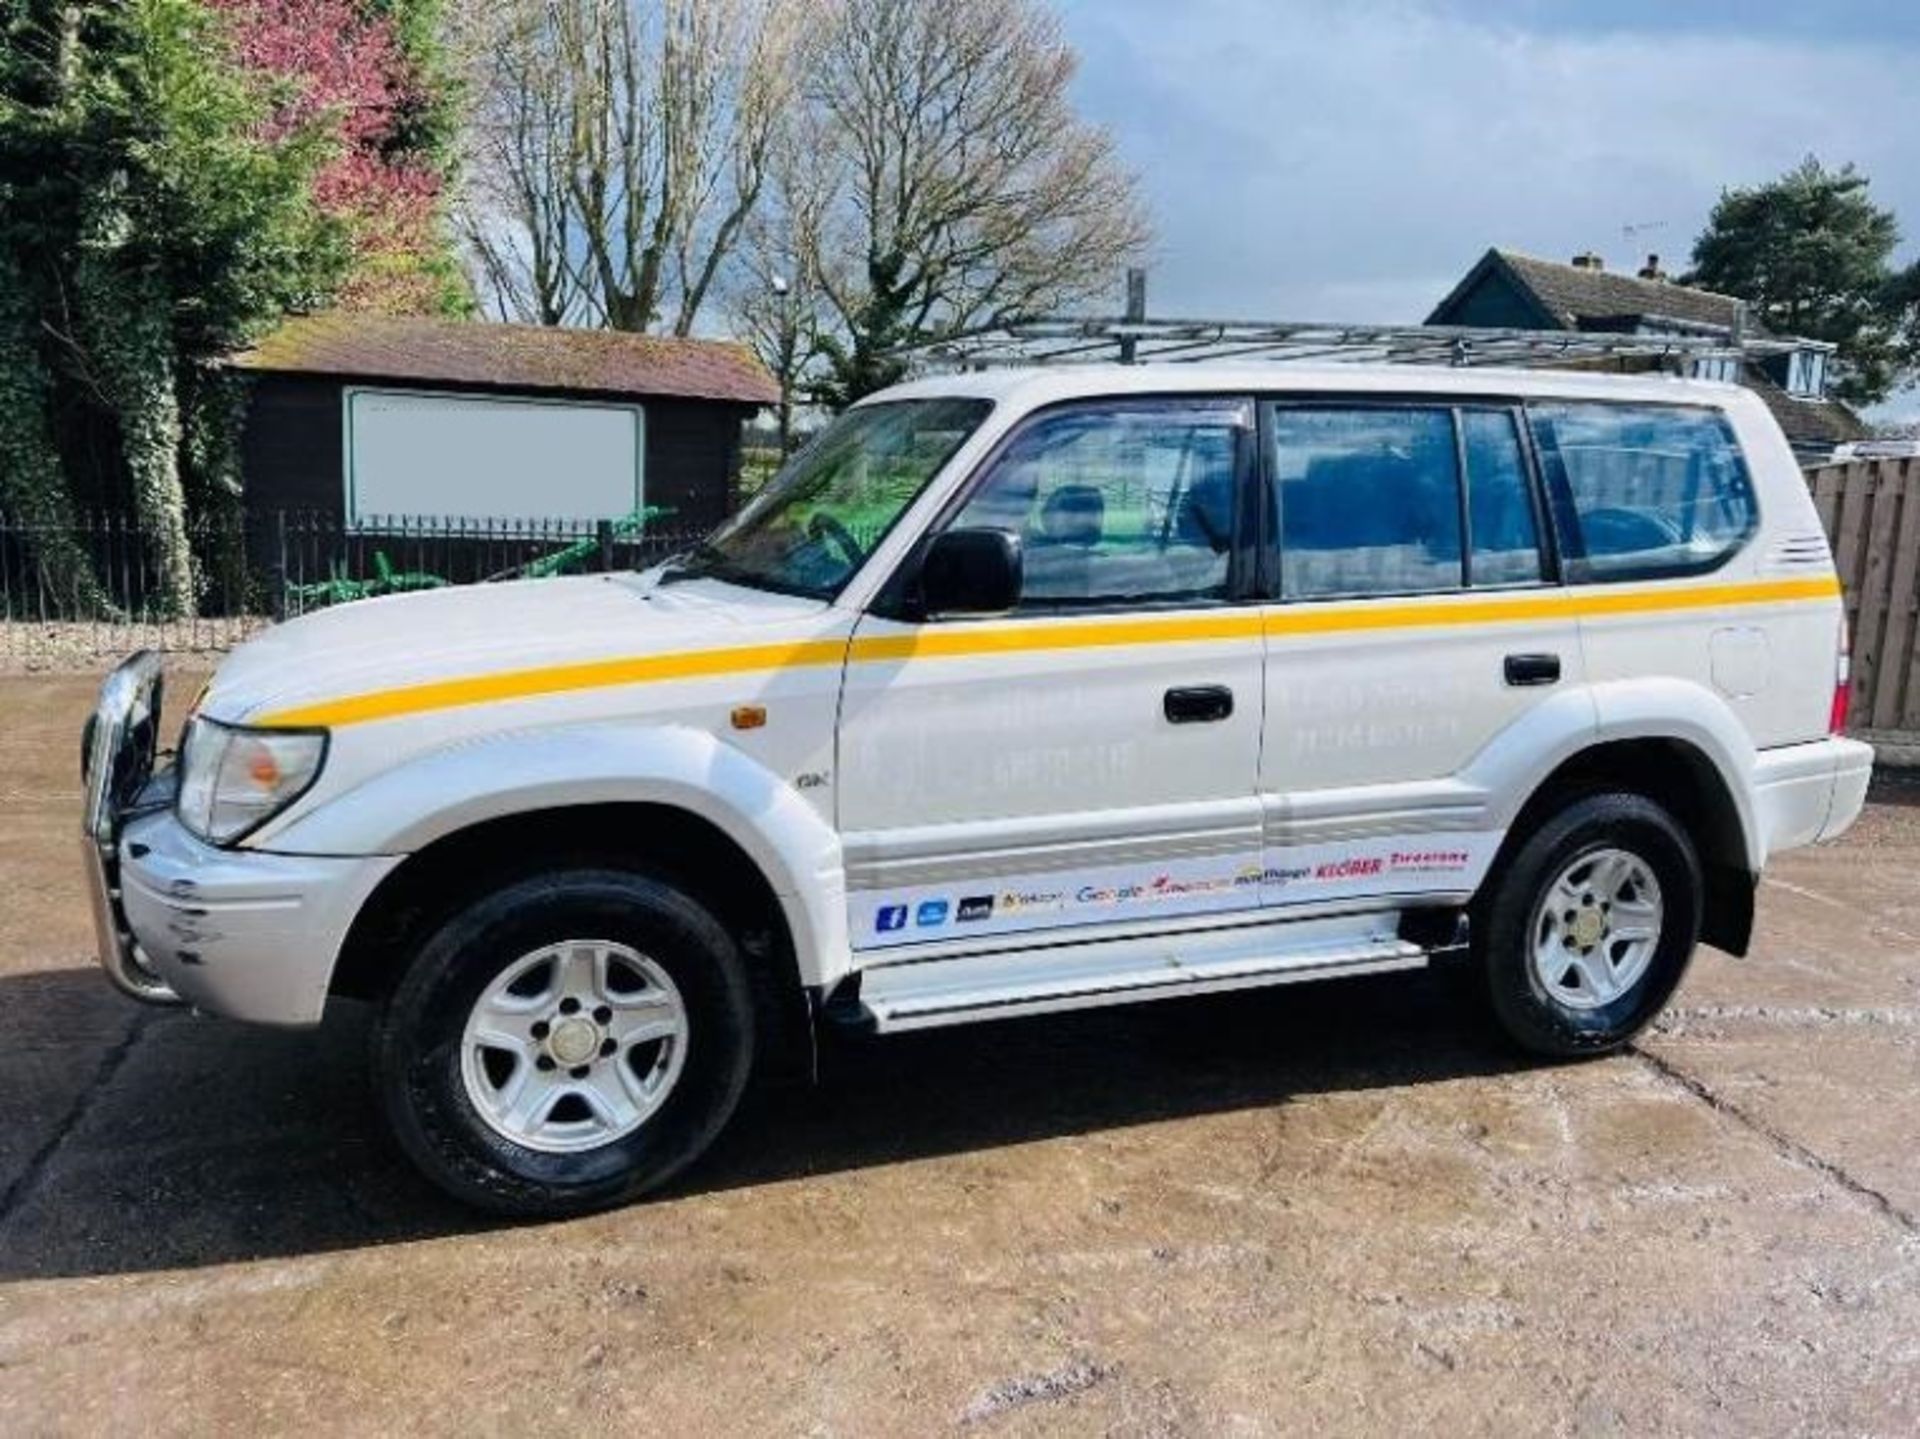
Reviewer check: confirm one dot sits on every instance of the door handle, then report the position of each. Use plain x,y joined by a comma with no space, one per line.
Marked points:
1533,669
1202,704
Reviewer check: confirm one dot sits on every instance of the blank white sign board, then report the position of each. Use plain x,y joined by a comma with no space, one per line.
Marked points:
468,457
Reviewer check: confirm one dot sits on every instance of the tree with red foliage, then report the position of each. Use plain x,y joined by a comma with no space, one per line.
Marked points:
365,69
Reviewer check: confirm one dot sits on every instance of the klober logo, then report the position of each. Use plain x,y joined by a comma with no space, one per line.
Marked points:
1357,867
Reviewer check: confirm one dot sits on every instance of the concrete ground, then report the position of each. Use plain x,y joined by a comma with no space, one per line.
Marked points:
1333,1207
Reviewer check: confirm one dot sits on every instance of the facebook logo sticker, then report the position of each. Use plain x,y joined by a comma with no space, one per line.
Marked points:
890,918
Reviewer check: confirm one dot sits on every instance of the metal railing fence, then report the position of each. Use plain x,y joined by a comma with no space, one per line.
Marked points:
93,588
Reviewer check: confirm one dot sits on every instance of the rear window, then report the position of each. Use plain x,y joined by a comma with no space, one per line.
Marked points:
1641,491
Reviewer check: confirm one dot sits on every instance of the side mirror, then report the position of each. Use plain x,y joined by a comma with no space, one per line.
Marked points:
971,572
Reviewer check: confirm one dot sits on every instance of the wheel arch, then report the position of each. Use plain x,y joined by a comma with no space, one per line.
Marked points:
1682,776
666,798
665,841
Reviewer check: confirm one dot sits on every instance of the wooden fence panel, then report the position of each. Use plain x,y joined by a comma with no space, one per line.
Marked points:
1871,512
1873,548
1903,709
1892,683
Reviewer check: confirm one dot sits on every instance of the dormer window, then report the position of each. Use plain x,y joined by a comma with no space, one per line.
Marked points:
1807,374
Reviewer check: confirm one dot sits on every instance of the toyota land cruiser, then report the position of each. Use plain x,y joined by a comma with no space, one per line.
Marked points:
1014,693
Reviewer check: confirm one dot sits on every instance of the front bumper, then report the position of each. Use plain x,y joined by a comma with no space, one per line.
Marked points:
240,932
243,933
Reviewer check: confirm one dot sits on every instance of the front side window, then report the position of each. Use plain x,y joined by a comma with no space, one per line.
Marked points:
1369,501
1641,491
1128,505
819,518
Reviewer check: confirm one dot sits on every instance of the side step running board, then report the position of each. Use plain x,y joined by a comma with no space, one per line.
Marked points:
929,993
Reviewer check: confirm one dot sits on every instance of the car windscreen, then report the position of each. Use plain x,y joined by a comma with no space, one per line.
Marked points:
817,521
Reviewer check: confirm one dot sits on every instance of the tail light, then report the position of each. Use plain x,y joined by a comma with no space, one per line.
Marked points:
1842,681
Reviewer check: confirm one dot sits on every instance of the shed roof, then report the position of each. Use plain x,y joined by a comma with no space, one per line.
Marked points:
531,358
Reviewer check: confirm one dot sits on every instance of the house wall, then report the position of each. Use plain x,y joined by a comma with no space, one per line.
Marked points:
1491,302
292,450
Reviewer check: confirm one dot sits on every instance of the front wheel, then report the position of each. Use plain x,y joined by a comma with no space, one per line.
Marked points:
566,1043
1584,936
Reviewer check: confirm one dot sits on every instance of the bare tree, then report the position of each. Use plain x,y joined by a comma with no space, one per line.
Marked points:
967,192
617,149
776,301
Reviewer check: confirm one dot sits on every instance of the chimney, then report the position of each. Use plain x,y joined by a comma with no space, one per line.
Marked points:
1653,270
1588,260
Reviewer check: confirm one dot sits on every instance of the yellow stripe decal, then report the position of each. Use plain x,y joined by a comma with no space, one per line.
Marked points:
557,679
966,640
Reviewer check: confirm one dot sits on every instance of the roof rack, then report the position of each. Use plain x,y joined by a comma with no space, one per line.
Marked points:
1134,339
1069,340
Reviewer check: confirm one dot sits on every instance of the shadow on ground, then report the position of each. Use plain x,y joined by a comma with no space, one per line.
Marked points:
201,1142
1895,786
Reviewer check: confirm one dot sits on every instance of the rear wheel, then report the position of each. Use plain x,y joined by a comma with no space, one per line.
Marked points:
567,1043
1585,935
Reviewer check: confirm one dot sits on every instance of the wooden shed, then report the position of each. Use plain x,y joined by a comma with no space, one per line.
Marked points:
373,419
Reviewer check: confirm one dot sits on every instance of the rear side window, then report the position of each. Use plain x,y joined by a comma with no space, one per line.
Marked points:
1643,491
1369,501
1501,522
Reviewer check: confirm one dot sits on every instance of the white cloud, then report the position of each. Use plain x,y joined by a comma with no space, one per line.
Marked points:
1321,161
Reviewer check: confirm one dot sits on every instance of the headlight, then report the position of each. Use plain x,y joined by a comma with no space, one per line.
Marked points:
233,780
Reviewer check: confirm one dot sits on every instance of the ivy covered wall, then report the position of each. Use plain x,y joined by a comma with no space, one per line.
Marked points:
175,176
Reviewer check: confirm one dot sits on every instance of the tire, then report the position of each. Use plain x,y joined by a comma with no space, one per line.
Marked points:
1605,990
484,1008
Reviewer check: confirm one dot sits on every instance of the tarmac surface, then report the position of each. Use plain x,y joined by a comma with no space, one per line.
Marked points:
1340,1206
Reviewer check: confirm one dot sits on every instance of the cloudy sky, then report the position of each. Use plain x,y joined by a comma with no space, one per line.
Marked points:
1348,159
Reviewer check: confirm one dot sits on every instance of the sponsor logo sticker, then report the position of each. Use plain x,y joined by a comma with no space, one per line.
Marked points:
975,906
890,918
1353,867
930,913
1014,901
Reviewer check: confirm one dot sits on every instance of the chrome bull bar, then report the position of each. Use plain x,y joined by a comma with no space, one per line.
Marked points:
117,759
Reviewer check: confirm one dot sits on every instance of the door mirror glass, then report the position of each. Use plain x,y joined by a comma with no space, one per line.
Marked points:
971,572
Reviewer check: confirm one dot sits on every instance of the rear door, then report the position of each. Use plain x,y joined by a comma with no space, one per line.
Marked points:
1091,757
1418,620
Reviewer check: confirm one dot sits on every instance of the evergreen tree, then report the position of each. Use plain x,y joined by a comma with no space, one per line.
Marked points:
1811,252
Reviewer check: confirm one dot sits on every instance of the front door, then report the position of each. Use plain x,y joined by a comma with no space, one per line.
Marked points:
1417,624
1090,758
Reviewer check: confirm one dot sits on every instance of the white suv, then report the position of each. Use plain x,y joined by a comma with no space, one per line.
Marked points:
1016,692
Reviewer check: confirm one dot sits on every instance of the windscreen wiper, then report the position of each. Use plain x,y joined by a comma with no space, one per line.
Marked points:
703,559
